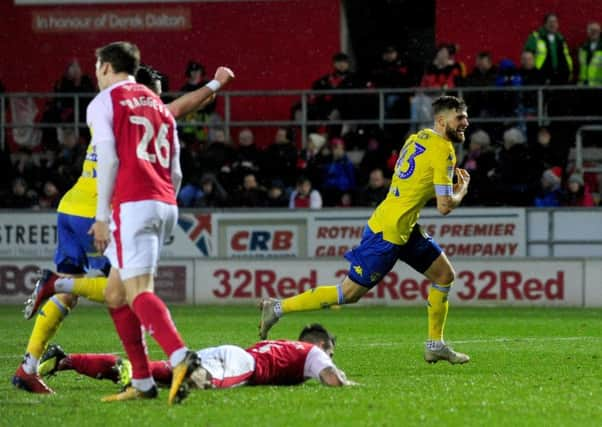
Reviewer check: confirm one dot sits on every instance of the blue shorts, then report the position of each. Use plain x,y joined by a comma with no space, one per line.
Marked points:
375,257
75,251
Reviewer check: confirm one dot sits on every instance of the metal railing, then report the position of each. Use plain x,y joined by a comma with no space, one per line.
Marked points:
579,163
303,97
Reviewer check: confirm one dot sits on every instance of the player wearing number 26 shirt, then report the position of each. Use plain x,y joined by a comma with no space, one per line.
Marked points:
147,147
139,174
135,135
425,169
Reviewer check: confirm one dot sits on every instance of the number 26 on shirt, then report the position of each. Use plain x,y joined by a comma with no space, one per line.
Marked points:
161,143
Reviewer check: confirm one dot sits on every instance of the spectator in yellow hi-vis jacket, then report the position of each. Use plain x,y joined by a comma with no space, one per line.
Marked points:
552,56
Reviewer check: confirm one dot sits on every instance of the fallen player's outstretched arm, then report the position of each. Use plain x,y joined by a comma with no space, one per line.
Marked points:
334,377
197,99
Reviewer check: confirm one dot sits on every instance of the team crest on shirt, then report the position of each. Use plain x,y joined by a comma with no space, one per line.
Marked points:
375,277
358,270
198,230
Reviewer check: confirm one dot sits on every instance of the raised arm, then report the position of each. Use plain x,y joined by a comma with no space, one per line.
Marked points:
197,99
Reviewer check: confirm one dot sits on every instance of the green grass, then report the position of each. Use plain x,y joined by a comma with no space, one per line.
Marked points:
530,367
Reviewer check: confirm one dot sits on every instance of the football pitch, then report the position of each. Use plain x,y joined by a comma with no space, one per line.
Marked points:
529,367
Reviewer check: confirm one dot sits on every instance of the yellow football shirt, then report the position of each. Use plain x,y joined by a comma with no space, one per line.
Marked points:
425,167
80,200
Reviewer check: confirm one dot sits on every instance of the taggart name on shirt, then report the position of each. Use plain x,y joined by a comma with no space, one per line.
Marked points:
145,101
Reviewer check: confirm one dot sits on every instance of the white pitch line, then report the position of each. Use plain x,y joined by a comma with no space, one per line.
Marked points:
398,343
530,339
481,341
116,353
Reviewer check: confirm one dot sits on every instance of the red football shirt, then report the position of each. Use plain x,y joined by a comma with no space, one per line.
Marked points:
144,138
281,362
143,131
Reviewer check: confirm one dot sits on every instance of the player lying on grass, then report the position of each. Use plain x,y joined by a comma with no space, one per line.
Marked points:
75,255
425,169
278,362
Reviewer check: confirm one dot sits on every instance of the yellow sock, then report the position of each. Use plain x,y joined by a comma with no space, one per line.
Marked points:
313,299
47,323
92,288
437,310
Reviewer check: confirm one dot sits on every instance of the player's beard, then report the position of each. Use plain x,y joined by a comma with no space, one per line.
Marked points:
454,135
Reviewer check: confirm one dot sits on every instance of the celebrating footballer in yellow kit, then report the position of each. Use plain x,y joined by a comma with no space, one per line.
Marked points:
424,170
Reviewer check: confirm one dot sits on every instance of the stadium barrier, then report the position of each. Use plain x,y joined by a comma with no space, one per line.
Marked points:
573,105
503,256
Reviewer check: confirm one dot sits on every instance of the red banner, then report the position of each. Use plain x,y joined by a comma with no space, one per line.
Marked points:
269,44
473,26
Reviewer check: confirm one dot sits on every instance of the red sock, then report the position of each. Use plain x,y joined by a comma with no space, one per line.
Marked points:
99,366
130,332
161,372
155,318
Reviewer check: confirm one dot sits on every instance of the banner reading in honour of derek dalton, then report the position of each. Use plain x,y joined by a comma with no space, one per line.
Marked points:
466,232
62,20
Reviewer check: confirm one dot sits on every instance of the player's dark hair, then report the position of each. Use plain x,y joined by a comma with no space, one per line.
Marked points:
124,57
484,54
314,333
147,76
446,102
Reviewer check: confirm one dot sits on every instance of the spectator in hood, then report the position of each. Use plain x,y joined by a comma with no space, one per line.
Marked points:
213,194
375,191
516,182
339,174
550,193
480,162
276,196
577,193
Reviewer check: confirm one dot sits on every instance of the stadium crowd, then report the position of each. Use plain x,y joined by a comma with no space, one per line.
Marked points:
517,163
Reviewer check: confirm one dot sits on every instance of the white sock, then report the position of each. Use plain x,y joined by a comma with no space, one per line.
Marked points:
64,285
278,309
177,356
143,384
30,364
434,345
